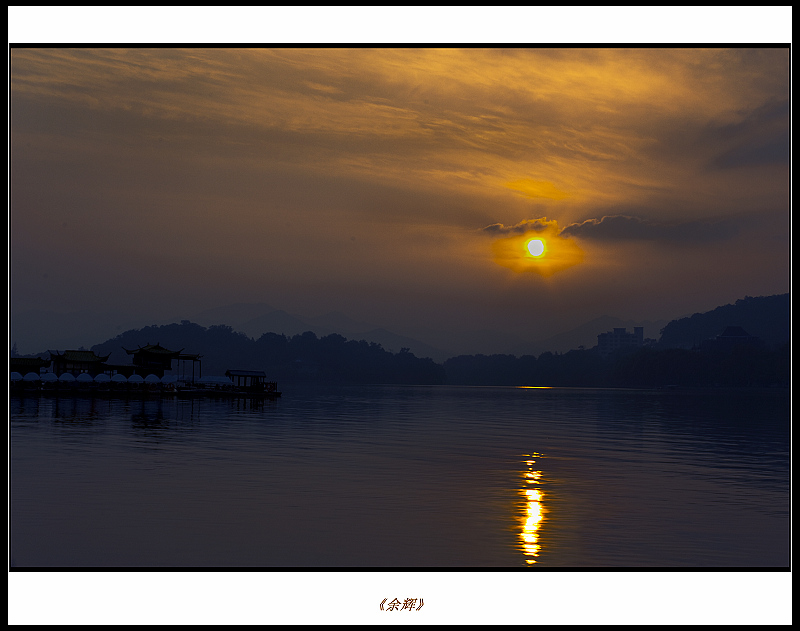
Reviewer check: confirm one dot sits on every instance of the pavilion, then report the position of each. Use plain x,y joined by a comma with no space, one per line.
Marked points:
78,362
154,359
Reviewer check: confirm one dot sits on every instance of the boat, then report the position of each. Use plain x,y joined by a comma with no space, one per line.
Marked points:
252,383
236,383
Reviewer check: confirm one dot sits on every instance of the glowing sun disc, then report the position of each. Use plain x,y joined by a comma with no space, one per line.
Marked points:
536,247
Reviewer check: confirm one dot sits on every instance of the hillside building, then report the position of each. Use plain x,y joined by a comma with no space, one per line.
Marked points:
731,337
612,341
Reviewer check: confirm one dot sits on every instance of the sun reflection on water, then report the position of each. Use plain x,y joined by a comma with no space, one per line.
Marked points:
533,507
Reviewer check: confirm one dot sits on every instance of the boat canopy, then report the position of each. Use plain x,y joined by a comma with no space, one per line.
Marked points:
215,380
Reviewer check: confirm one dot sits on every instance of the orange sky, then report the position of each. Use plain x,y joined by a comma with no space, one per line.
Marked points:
380,182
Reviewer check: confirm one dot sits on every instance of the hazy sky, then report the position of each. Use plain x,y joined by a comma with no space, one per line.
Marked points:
400,186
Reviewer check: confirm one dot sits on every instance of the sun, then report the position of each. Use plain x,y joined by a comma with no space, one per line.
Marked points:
536,247
543,252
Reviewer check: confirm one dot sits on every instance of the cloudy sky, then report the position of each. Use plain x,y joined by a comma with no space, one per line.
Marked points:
400,186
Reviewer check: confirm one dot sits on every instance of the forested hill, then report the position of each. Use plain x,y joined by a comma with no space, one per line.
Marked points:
305,356
679,359
766,317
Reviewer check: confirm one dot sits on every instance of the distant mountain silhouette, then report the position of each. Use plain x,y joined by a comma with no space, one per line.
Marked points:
766,317
277,321
456,341
221,347
341,323
37,330
680,359
284,323
232,315
299,357
395,343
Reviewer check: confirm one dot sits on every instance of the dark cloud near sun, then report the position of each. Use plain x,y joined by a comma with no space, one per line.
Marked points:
624,228
527,225
630,228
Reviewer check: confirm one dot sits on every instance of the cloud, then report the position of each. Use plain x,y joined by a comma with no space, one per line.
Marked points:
528,225
245,171
760,138
536,188
630,228
772,152
581,127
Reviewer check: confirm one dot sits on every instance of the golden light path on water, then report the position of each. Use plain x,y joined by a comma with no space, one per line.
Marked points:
533,507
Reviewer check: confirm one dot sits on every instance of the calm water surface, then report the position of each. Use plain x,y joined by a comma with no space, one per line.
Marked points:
404,476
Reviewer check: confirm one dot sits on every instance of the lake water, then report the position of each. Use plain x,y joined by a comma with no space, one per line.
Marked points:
396,476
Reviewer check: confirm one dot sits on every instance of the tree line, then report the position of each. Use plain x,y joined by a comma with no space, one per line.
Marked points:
766,317
302,357
739,366
333,358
